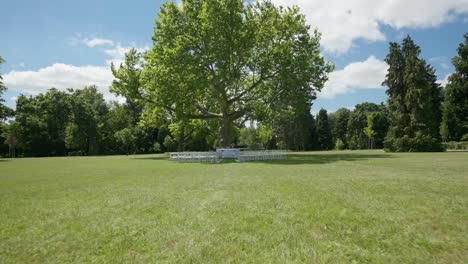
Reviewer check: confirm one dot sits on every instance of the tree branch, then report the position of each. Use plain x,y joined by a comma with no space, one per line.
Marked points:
253,86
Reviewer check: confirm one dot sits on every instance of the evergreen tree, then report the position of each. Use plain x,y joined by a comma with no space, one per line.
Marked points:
455,116
324,135
414,100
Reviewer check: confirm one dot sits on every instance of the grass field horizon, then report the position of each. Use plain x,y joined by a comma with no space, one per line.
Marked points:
313,207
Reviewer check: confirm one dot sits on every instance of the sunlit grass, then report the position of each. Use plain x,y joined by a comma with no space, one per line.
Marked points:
317,207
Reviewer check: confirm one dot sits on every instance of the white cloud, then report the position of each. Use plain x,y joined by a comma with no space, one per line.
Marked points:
445,80
367,74
13,98
343,22
117,53
60,76
63,76
97,42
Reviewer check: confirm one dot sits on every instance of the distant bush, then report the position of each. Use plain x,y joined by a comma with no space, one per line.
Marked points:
339,144
418,143
157,147
454,145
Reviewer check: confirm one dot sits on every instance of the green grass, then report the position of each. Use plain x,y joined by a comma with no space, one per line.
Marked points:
316,207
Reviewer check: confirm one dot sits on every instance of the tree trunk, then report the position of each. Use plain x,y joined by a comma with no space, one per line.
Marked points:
226,132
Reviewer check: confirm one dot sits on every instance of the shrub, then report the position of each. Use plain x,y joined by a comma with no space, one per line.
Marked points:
339,144
157,147
454,145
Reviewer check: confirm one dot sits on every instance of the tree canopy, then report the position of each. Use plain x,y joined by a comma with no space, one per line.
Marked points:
455,116
229,61
4,110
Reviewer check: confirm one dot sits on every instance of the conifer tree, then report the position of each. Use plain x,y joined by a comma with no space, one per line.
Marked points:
414,100
324,135
455,116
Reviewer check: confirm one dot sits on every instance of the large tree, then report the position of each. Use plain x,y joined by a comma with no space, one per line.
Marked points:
455,116
230,61
414,100
41,122
85,130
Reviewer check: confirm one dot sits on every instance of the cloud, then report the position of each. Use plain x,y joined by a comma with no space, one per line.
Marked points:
442,61
445,80
96,42
367,74
60,76
343,22
117,52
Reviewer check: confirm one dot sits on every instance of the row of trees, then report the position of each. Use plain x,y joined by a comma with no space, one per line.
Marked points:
225,73
73,122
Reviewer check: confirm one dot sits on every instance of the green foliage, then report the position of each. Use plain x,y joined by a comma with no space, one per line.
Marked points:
127,83
4,110
9,134
296,130
87,120
265,134
325,139
127,138
358,123
248,137
170,144
190,134
157,147
339,122
228,60
42,122
369,129
455,111
454,145
465,137
339,145
414,100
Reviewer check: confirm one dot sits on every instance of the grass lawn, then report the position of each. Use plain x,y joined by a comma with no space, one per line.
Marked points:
314,207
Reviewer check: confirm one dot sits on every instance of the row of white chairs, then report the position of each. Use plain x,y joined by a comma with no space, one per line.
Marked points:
201,157
249,155
213,157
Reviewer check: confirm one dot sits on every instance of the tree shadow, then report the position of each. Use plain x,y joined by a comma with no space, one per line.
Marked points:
153,158
323,158
1,160
296,158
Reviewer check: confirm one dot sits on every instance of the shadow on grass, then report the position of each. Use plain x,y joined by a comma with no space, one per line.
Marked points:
4,160
319,158
301,158
153,158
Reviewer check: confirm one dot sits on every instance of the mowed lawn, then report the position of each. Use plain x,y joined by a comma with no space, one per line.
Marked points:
314,207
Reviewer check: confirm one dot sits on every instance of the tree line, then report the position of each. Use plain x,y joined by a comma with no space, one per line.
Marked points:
203,86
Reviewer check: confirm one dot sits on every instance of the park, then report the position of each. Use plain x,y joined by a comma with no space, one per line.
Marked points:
233,131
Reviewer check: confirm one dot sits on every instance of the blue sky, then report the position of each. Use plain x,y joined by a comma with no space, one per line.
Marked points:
71,43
